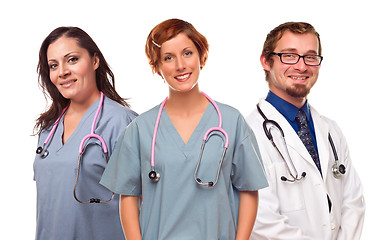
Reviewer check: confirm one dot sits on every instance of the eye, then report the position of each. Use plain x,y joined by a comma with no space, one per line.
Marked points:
289,55
311,57
188,53
167,58
52,66
73,59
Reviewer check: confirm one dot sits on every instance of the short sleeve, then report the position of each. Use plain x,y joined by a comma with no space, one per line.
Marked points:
248,173
122,174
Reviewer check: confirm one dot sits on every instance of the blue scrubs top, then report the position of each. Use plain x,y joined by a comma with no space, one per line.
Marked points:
59,215
177,207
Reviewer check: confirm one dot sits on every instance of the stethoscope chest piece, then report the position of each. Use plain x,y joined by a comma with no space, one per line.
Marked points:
154,176
42,154
338,169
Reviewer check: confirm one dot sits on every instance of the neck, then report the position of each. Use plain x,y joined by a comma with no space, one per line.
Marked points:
81,106
296,101
185,103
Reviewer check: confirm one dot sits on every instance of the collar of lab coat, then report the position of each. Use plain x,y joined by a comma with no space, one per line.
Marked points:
294,142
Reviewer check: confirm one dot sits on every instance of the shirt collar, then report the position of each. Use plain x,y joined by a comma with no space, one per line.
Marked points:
288,110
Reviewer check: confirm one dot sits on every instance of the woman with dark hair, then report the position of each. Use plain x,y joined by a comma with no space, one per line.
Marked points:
76,137
189,190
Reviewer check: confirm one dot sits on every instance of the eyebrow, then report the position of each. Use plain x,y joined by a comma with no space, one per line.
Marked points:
64,56
184,49
295,50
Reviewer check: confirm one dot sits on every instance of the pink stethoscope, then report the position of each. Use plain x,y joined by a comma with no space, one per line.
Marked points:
43,151
155,176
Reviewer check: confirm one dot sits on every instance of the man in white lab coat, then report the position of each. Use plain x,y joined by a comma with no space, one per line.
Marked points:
305,199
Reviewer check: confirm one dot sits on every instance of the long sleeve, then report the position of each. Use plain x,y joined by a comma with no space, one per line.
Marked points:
353,205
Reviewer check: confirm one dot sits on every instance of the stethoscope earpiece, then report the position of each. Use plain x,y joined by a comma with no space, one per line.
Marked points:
154,176
284,179
208,184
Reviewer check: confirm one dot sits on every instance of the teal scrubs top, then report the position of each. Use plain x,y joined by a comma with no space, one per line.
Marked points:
59,215
177,207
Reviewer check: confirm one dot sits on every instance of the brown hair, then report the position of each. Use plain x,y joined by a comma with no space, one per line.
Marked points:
105,79
168,30
276,34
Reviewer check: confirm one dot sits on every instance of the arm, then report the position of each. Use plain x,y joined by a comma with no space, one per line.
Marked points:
353,204
248,206
129,216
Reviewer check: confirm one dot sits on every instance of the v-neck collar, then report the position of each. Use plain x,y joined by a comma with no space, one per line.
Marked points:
198,132
83,120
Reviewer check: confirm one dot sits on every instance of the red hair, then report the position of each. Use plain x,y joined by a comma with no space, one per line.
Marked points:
167,30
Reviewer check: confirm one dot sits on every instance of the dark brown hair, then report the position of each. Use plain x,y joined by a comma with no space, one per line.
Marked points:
105,79
167,30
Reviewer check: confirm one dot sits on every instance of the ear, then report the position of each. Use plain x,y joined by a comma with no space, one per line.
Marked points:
202,62
95,61
265,63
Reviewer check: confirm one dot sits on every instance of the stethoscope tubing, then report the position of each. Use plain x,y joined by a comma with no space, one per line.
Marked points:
154,176
41,150
337,168
92,134
44,152
155,134
54,126
219,129
295,176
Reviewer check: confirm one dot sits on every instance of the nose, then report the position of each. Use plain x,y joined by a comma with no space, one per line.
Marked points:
300,65
63,71
180,64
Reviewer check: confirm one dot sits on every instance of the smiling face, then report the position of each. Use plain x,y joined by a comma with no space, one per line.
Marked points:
293,82
72,70
180,64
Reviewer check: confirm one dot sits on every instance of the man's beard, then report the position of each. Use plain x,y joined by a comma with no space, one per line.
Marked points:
298,91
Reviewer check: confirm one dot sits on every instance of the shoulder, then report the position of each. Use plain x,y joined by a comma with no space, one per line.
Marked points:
228,111
231,116
319,118
233,121
148,116
316,115
145,121
117,111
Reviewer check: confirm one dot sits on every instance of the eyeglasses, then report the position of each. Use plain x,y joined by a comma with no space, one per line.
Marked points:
293,58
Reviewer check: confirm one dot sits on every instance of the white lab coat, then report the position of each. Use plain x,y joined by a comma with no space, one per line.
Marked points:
300,210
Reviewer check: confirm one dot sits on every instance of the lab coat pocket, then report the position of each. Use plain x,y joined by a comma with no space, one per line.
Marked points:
290,194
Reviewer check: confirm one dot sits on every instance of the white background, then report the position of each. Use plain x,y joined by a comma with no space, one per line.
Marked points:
349,89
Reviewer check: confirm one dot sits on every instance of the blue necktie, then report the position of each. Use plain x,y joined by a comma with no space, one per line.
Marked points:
304,135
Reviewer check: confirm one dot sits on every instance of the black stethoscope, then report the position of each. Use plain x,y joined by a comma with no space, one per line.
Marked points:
337,168
43,151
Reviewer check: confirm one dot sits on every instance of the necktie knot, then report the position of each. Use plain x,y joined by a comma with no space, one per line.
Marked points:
301,118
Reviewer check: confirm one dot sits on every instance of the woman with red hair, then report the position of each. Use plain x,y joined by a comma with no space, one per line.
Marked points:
188,190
